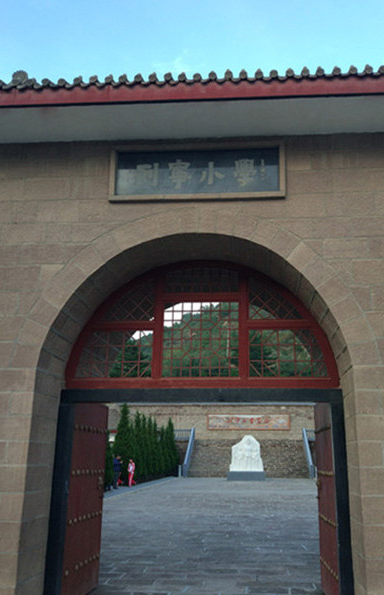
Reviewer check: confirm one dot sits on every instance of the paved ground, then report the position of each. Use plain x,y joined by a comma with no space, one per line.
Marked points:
201,536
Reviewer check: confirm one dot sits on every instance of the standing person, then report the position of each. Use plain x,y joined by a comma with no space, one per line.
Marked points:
131,472
116,470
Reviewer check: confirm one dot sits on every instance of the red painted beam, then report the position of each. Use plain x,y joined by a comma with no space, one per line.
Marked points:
229,90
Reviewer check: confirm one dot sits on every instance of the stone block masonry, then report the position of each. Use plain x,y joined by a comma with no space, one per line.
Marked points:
65,248
281,458
187,416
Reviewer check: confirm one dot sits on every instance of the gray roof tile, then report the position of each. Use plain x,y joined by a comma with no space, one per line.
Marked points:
21,81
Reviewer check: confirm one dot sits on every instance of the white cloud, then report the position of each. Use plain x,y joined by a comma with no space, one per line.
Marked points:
184,62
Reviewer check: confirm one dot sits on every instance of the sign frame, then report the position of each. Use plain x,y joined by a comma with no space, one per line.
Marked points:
222,145
232,422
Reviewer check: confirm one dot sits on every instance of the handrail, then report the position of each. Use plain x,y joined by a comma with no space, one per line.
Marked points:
309,436
188,454
182,434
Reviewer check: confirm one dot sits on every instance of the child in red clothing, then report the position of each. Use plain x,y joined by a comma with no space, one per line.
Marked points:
131,473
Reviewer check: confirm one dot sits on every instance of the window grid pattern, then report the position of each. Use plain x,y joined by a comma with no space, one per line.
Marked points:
134,304
285,353
266,304
205,322
116,354
201,339
201,280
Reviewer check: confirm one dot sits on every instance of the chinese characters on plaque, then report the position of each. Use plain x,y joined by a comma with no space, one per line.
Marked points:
248,422
189,173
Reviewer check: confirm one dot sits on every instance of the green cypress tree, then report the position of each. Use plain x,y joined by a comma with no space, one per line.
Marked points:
158,455
140,455
124,441
165,451
144,446
171,445
152,461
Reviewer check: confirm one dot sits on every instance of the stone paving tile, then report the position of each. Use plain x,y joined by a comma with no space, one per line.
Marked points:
210,537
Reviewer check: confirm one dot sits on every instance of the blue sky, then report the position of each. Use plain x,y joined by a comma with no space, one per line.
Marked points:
66,38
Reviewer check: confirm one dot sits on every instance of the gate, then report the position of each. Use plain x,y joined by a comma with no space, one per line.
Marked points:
77,499
328,526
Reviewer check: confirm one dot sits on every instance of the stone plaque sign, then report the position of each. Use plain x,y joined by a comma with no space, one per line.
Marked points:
248,422
233,173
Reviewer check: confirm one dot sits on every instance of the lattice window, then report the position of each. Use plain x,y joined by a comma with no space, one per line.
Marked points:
208,323
285,353
265,303
201,279
134,304
201,339
116,354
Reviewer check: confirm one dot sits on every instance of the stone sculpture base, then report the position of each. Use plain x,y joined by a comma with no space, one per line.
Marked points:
245,475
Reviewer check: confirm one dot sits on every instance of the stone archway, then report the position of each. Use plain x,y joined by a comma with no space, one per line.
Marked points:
81,286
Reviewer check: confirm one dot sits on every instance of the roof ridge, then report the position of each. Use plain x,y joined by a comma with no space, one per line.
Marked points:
21,81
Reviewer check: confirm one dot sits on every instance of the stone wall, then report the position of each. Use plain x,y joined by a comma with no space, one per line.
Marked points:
281,458
65,248
186,416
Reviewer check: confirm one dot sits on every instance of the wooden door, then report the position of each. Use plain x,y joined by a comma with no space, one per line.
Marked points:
80,566
328,528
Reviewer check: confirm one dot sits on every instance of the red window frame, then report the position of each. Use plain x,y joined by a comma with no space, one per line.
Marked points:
245,325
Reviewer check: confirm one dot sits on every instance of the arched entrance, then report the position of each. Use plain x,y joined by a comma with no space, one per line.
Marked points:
203,332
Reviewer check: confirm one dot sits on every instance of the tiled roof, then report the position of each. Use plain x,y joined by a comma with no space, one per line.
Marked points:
21,81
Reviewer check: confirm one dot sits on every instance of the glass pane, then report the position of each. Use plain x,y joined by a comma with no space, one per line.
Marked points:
135,304
267,304
201,339
285,353
116,354
201,279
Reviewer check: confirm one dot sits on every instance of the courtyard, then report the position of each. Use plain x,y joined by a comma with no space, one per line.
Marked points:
208,536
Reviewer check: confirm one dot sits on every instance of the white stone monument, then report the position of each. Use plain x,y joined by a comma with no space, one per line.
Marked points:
246,463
